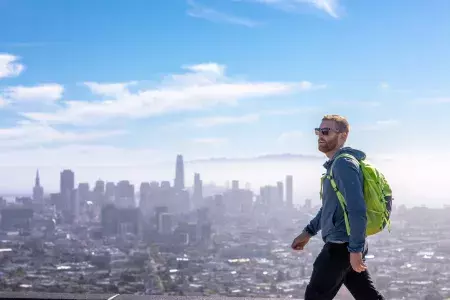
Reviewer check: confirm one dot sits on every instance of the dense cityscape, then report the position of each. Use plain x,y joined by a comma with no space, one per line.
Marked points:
168,239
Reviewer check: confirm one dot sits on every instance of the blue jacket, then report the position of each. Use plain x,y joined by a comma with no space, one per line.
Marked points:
330,218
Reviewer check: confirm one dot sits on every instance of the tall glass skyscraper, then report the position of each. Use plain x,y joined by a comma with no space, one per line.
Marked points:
179,173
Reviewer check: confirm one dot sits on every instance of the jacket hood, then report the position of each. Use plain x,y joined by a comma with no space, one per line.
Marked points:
358,154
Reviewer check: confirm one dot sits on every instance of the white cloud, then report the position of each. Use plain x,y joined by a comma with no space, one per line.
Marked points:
438,100
210,141
331,7
225,120
3,101
43,93
206,67
109,89
30,133
290,136
9,67
384,86
203,86
199,11
290,111
357,103
79,156
381,125
387,122
219,120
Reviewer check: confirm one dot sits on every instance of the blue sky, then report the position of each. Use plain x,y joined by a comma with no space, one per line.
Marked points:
121,82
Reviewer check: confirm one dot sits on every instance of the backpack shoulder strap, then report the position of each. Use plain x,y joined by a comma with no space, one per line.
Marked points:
338,193
339,156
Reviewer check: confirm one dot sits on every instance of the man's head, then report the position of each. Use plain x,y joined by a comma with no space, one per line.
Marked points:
332,133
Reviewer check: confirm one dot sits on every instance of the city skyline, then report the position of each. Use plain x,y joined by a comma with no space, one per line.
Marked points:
304,186
68,188
250,174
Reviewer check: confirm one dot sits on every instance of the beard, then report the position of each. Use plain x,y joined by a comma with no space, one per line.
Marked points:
328,146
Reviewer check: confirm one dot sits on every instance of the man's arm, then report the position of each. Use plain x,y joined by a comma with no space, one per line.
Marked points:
314,226
347,174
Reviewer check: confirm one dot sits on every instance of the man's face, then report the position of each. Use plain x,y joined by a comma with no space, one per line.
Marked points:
328,136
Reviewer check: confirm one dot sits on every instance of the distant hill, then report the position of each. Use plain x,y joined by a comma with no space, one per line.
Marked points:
268,157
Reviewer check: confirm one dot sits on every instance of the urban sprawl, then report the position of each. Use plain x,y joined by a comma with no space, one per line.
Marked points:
204,240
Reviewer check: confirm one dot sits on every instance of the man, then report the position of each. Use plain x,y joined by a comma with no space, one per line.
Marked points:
341,260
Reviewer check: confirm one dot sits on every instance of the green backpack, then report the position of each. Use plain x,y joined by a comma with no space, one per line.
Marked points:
377,194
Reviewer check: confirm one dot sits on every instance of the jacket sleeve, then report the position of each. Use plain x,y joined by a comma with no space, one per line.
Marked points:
314,225
348,178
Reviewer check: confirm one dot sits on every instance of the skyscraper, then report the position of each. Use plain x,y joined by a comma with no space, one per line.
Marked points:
99,192
165,223
198,191
125,194
235,185
179,173
38,190
110,192
99,187
67,181
280,192
289,191
165,185
67,185
159,210
84,193
269,196
144,193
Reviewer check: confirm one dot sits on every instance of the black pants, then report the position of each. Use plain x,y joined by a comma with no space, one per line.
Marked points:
332,269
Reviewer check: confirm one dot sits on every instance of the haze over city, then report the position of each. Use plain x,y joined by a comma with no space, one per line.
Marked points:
413,188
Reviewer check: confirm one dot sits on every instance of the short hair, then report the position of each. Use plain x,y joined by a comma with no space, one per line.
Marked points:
341,122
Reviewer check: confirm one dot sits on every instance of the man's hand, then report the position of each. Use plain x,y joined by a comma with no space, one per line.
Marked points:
357,262
300,242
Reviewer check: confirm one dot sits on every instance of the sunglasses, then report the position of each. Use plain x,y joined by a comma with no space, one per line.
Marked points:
325,130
